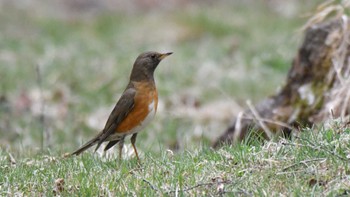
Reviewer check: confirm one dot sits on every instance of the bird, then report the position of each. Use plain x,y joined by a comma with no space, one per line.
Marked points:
135,108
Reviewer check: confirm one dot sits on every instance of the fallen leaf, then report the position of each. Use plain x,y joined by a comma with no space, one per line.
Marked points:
313,182
59,186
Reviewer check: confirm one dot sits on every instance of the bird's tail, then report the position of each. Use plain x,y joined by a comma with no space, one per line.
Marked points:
86,146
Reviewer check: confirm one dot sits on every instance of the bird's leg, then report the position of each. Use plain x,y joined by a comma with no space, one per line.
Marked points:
121,145
133,140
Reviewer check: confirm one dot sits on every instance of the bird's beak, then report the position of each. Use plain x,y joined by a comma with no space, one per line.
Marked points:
162,56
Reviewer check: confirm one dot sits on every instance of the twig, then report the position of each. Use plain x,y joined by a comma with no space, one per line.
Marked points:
150,184
302,162
42,107
290,172
177,190
190,188
258,118
244,192
279,123
146,181
239,191
198,185
346,102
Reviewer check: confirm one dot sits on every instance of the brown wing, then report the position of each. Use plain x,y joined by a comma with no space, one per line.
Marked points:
120,111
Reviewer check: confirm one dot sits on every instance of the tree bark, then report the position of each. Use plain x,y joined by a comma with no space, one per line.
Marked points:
317,87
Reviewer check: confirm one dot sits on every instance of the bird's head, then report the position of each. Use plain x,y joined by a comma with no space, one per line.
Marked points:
145,65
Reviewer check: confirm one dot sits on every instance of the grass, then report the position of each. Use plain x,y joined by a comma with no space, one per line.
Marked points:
62,75
312,164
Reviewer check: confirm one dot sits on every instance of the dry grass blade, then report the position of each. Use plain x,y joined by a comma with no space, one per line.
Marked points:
322,15
279,123
259,119
197,185
325,4
238,127
325,10
303,162
11,159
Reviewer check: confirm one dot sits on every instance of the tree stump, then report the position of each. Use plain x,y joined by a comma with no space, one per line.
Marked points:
317,87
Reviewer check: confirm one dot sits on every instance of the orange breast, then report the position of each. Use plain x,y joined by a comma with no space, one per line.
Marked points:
146,94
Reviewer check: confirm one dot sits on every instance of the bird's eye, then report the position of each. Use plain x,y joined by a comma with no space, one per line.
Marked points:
153,56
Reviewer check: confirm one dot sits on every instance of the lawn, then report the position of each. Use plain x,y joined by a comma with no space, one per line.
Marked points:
314,164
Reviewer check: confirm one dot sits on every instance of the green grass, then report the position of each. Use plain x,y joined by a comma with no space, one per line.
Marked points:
313,164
